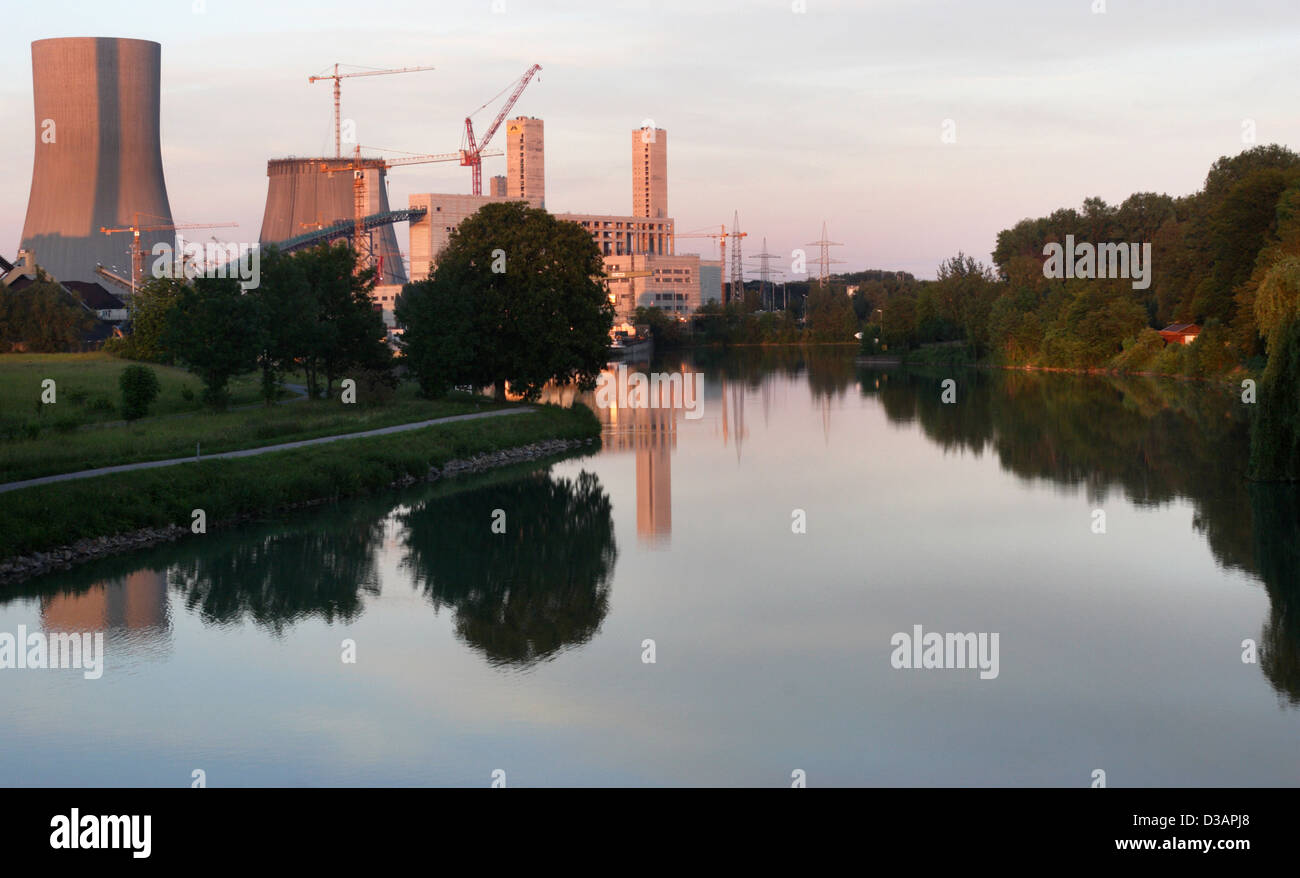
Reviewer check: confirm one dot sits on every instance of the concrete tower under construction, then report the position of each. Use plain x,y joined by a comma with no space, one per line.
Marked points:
526,159
98,157
650,172
306,194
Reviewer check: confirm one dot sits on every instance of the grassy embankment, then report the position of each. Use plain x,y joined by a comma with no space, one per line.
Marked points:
165,437
47,516
87,392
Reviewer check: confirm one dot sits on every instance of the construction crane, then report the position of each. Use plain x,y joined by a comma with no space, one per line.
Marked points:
338,93
721,237
137,258
421,159
471,152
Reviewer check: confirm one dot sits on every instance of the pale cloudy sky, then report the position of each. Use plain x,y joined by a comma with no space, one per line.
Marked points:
791,118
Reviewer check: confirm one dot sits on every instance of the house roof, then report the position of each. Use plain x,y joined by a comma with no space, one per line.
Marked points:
1181,328
93,295
5,266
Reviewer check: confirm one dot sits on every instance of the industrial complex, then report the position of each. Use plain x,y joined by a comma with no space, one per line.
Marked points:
98,191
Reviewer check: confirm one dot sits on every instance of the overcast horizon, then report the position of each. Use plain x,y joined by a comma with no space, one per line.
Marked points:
834,114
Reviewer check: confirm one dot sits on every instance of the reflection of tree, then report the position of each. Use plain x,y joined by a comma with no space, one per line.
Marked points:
1154,441
1277,545
282,577
526,594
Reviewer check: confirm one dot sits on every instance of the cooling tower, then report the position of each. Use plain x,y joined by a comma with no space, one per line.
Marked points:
98,155
306,194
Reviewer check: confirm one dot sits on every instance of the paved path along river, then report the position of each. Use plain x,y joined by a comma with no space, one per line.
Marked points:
249,452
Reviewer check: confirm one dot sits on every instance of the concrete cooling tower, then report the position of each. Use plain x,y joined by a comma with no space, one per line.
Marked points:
98,154
306,194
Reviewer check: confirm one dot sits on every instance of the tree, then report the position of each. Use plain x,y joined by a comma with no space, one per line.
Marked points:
285,317
343,330
536,306
153,301
664,327
440,335
42,318
830,315
213,330
140,388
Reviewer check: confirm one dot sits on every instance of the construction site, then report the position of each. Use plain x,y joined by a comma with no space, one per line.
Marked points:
100,186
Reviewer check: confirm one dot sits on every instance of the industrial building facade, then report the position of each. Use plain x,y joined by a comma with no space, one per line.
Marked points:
670,282
526,160
639,246
624,235
650,172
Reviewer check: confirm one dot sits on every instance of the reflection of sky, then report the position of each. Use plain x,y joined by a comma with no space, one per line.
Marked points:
1118,651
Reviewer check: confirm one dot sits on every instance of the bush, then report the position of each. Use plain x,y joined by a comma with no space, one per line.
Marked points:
187,394
1140,353
140,388
375,386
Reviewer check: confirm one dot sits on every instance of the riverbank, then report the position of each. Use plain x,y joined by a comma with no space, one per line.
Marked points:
53,526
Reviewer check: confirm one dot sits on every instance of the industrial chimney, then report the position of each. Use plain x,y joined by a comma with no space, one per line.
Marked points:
98,154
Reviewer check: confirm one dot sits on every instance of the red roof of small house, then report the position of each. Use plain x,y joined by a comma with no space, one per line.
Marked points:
1179,332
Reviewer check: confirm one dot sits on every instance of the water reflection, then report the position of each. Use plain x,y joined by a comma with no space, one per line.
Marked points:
544,586
525,595
133,610
519,597
1154,441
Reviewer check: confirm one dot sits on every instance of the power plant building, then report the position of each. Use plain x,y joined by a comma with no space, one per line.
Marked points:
639,246
98,161
650,172
526,160
311,193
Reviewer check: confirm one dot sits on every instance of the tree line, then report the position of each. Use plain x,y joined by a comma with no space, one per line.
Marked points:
311,312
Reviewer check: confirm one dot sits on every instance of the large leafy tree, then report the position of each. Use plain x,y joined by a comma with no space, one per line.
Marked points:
213,330
285,317
518,297
344,331
43,317
152,302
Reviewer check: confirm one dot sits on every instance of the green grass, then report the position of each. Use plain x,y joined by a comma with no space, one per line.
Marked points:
86,391
47,516
175,436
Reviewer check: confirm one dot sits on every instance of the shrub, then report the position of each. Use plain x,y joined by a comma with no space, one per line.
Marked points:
375,386
140,388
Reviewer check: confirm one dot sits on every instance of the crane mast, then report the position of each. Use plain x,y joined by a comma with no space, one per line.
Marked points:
472,153
338,95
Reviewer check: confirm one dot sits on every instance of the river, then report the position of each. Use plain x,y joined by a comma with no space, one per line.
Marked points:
719,600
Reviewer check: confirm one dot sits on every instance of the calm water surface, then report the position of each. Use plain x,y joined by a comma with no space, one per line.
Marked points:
524,652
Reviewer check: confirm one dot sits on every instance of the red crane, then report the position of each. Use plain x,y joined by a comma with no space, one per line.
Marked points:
471,152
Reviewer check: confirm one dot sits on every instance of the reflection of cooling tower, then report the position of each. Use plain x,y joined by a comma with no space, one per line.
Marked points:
305,194
98,156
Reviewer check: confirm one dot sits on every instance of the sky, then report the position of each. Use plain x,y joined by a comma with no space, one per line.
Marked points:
790,113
